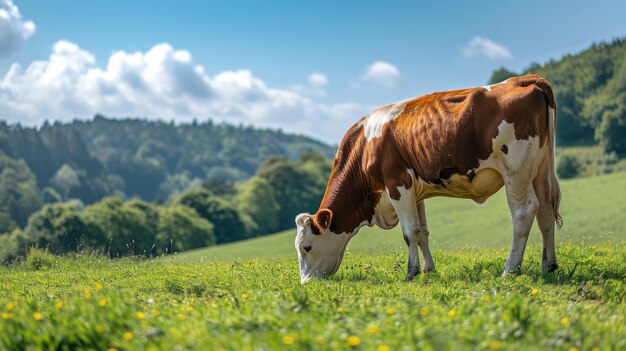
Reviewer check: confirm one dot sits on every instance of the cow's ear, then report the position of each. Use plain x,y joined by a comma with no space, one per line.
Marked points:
323,218
303,219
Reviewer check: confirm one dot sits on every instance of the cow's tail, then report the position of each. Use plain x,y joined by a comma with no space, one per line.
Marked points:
555,189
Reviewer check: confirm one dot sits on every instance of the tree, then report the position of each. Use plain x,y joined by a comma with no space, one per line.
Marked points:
7,224
19,194
257,200
125,227
180,228
295,189
61,228
228,225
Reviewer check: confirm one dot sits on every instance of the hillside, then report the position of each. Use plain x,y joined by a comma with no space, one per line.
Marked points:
139,158
593,210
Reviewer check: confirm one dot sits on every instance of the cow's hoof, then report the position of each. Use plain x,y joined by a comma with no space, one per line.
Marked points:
550,267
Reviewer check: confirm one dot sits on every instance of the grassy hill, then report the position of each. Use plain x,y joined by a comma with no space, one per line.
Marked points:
593,209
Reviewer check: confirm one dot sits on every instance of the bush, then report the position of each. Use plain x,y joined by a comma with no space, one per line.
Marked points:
568,166
39,259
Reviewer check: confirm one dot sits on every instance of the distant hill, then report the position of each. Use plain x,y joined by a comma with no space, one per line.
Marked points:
149,159
590,89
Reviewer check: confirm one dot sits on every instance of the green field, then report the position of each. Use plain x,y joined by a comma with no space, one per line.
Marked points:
247,296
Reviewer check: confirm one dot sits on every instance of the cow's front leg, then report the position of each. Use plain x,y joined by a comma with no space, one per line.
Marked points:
422,240
409,221
411,237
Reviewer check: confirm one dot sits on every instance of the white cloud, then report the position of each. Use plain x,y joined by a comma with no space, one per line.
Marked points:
13,29
160,83
383,73
478,46
318,80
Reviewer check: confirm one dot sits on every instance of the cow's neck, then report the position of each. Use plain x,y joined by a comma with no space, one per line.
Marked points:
349,195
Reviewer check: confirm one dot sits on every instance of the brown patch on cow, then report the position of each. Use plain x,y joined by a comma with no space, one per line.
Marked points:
435,137
504,149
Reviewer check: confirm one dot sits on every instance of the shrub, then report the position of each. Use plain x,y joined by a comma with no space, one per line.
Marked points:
568,166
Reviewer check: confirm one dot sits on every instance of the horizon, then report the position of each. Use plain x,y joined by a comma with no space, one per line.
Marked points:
236,63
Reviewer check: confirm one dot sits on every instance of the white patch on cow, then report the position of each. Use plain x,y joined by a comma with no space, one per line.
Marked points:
384,215
374,122
488,87
520,152
406,208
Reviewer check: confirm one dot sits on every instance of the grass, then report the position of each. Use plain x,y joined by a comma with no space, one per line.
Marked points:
202,301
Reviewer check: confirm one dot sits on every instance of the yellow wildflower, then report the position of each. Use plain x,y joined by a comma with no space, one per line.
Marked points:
288,340
495,345
140,315
87,293
383,348
320,340
565,321
353,341
245,296
128,336
485,298
341,309
156,313
10,306
38,316
424,311
188,308
534,292
100,328
5,315
59,304
98,286
111,349
103,302
452,313
373,329
181,317
390,311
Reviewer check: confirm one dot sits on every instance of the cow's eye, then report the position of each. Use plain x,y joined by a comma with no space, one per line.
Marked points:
307,248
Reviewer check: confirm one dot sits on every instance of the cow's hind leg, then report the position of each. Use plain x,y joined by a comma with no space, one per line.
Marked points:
422,240
406,209
545,218
523,204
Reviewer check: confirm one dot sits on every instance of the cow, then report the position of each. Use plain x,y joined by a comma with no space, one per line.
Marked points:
465,143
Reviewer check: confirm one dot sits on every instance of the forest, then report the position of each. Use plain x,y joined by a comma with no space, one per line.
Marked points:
139,187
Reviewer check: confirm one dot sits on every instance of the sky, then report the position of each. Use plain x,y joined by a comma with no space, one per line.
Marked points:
309,67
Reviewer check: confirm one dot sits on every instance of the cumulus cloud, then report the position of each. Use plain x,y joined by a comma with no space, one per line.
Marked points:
161,83
478,47
383,73
318,79
13,29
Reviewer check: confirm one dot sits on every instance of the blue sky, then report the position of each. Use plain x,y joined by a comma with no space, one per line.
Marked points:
308,67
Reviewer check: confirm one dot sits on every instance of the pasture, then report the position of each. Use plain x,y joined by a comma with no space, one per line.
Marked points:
247,296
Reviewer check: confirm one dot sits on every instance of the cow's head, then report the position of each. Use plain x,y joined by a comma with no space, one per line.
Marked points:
320,251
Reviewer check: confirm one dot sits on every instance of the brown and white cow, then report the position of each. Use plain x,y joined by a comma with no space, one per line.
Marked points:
464,143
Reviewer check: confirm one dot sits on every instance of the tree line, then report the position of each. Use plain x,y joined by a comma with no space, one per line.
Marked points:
217,212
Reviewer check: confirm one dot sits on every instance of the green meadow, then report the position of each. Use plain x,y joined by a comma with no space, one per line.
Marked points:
247,296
